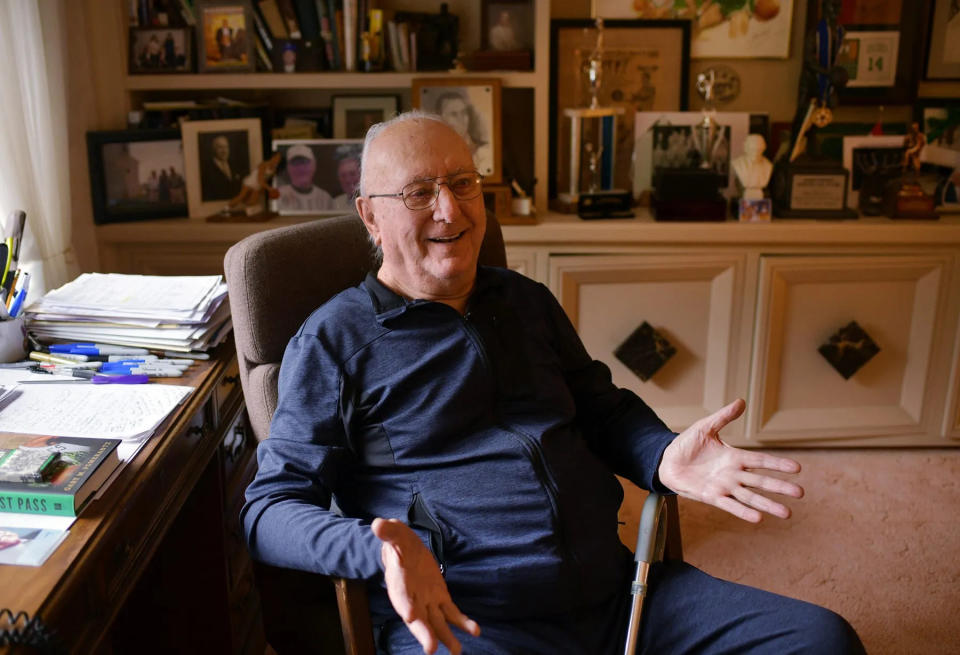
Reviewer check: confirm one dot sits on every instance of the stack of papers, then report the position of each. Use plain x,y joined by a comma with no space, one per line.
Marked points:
178,313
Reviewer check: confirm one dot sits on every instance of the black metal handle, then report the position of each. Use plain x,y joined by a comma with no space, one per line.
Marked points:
230,379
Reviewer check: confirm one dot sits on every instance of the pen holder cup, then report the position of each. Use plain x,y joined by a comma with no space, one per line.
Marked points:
13,340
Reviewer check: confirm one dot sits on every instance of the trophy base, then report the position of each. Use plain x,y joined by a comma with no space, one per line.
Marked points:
810,189
908,200
614,203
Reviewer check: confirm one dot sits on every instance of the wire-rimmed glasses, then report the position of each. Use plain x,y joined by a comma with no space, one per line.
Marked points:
422,194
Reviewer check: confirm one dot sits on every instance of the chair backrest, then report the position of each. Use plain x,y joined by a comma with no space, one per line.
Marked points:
276,278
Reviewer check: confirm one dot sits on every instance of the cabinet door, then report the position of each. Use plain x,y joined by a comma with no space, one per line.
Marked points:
805,302
694,302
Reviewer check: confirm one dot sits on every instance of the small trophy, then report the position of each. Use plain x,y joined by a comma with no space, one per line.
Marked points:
593,138
903,197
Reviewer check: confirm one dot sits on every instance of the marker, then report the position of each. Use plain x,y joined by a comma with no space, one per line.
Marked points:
24,283
191,355
120,358
74,357
153,372
97,349
53,359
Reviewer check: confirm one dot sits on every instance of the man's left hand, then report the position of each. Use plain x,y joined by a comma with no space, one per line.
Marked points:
698,465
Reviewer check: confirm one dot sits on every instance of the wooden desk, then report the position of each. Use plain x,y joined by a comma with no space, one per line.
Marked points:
158,563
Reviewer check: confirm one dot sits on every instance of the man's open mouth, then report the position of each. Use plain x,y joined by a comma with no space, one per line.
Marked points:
449,239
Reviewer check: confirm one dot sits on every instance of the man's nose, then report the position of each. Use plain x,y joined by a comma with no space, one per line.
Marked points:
447,207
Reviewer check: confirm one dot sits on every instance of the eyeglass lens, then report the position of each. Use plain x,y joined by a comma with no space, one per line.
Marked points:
423,193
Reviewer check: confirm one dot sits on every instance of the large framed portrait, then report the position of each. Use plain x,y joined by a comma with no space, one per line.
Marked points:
317,176
472,107
136,175
943,50
353,115
218,156
225,36
754,29
645,67
164,50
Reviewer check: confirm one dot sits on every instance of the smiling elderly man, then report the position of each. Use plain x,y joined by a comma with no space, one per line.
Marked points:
470,444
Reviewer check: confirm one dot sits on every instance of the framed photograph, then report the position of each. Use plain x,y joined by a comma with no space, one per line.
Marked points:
943,51
882,49
218,155
225,36
939,120
665,138
136,175
645,68
353,115
472,107
865,154
317,176
507,25
164,50
755,29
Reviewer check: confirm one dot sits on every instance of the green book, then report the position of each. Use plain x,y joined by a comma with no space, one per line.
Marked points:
82,466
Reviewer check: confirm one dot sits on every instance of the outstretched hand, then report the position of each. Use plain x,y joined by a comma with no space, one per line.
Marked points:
698,465
416,588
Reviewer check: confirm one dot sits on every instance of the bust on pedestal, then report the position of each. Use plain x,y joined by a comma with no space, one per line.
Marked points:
753,172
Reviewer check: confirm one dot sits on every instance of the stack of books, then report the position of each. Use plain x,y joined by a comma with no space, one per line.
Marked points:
168,313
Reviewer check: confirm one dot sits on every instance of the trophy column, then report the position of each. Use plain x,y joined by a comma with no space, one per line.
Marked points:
597,151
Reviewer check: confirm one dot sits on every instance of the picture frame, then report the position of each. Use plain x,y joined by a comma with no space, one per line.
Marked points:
738,124
160,50
317,176
763,34
939,120
507,25
206,144
864,21
653,76
858,149
942,60
353,115
225,36
121,163
472,107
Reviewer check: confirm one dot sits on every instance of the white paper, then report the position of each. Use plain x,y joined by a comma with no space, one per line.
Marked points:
144,293
42,521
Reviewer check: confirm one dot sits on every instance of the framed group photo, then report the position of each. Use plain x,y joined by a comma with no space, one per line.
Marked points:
136,175
218,156
645,67
472,107
165,50
317,176
863,155
225,36
354,115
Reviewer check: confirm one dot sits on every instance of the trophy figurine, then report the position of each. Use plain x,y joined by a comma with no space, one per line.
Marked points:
593,132
904,198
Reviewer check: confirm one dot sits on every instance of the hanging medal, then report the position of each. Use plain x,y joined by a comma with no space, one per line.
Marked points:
828,45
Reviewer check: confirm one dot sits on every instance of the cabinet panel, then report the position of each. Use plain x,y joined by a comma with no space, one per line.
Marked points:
694,302
796,394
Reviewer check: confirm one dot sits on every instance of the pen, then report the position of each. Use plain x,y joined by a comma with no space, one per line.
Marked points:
153,363
24,284
11,288
152,372
95,378
171,353
97,349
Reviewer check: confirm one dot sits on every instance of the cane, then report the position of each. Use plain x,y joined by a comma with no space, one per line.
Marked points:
650,541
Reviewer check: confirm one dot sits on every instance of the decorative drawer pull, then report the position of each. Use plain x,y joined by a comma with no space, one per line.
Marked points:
198,430
848,349
645,351
230,379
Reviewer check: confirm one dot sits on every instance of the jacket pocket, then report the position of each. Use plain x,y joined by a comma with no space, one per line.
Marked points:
418,516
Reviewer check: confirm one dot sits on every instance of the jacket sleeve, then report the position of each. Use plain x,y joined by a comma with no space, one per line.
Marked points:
287,520
619,427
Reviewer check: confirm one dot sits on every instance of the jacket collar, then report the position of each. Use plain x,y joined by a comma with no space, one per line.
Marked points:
388,304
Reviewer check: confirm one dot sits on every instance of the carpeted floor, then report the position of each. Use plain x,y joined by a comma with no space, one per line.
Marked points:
876,538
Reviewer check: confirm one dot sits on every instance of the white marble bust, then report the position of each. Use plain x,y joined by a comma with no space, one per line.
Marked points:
752,168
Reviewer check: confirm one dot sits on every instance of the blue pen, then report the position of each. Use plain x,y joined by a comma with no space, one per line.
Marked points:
24,285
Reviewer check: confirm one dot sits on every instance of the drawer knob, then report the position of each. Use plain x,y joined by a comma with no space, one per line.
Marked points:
645,351
848,349
198,430
230,379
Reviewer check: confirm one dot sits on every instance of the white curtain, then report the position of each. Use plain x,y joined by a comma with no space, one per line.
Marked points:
34,170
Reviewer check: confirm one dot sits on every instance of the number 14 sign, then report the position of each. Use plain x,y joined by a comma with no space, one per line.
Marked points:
870,58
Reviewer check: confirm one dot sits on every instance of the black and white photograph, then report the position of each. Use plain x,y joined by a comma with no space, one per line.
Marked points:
676,146
166,50
472,108
218,156
354,115
136,174
317,176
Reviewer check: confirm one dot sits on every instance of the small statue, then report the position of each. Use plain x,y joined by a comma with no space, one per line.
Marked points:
255,186
913,145
753,170
707,133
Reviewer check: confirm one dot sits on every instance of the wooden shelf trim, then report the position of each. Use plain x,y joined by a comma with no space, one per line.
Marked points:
331,80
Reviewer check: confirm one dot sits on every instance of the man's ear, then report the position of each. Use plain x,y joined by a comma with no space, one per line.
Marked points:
365,209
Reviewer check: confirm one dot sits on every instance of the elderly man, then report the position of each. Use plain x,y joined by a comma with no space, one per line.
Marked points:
470,442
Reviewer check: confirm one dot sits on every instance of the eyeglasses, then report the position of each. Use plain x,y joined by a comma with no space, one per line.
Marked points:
422,194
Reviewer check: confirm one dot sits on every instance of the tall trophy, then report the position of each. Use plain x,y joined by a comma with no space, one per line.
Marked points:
593,138
688,187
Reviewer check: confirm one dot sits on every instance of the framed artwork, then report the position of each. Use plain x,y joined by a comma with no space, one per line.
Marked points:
943,51
881,51
732,29
353,115
507,25
136,175
645,68
225,36
218,155
317,176
164,50
939,121
661,138
865,153
472,107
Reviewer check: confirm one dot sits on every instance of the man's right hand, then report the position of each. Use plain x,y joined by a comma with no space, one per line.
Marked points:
417,589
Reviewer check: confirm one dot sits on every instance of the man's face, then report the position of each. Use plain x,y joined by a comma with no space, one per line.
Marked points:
221,148
429,253
348,172
455,112
301,170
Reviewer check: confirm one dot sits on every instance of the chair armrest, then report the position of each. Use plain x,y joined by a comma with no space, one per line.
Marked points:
354,616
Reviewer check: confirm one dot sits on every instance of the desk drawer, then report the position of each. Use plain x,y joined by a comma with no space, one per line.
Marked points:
236,445
227,387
